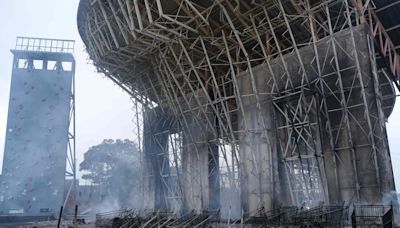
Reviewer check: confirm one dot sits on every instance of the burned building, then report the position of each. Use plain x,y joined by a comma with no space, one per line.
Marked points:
248,106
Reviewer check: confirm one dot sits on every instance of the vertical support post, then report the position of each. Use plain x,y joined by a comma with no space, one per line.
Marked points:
155,151
59,217
75,223
213,179
74,135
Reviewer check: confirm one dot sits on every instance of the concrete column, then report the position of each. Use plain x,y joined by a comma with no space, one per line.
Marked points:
357,166
200,162
255,157
213,178
195,169
156,122
256,146
360,164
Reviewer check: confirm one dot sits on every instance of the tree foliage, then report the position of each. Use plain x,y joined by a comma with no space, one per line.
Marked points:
115,165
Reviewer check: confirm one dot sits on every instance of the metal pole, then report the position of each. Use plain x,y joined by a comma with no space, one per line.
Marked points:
59,217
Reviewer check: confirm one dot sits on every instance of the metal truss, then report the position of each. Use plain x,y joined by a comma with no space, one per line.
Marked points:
71,151
304,124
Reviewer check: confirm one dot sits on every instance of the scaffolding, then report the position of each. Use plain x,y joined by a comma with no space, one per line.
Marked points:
249,105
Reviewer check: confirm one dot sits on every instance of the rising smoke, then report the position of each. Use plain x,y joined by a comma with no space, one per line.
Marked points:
113,167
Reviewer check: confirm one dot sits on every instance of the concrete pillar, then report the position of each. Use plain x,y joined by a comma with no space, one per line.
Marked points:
213,179
256,147
352,169
200,162
156,126
195,169
361,151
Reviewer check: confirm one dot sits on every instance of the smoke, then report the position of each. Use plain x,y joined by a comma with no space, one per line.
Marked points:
118,182
230,203
392,198
111,204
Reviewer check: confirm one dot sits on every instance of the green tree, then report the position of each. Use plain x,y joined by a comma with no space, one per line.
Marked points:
114,164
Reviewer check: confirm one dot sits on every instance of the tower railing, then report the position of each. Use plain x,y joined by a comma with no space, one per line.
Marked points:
44,45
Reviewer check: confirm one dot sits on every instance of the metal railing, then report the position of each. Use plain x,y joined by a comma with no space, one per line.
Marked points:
44,45
318,216
372,215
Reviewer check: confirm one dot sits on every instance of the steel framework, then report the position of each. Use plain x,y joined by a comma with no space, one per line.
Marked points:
244,106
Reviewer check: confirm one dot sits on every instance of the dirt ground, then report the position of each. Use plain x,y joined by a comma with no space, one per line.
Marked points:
64,224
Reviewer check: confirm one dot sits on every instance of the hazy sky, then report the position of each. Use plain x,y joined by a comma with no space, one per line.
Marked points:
103,110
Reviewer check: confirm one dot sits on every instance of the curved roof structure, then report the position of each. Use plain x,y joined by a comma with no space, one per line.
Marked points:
129,40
